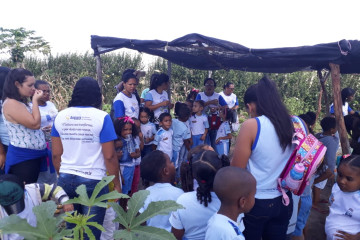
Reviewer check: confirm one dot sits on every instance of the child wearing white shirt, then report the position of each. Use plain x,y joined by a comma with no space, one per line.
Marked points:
163,137
343,221
236,189
223,134
157,168
201,204
199,123
148,130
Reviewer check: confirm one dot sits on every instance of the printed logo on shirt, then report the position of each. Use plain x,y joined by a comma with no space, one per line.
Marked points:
332,199
349,212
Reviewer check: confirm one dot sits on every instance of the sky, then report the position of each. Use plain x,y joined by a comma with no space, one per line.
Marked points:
68,24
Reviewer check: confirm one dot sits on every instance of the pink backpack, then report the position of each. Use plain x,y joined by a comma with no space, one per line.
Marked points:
305,159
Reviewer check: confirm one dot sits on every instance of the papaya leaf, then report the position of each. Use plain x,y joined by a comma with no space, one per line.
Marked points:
134,204
46,226
120,214
124,234
98,226
100,185
154,209
84,199
152,233
89,233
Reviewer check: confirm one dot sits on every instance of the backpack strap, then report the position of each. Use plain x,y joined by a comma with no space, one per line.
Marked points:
285,197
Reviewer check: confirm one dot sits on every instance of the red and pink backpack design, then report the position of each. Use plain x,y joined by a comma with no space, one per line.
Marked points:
303,162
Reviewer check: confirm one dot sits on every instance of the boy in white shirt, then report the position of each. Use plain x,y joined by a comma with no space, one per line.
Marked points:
163,137
157,168
199,123
235,187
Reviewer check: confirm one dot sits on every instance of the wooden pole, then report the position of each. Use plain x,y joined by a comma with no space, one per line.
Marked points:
99,72
335,77
323,92
169,70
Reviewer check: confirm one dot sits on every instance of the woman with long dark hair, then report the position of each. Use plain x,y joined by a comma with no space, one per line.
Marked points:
263,146
83,146
347,95
27,149
4,136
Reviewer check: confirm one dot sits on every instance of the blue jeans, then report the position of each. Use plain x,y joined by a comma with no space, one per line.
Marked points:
128,174
211,138
268,220
196,140
304,212
69,183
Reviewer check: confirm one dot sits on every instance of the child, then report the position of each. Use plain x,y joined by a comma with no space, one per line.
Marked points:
343,221
326,171
201,204
163,137
214,124
139,140
198,123
15,198
224,133
182,135
236,189
126,131
148,130
157,168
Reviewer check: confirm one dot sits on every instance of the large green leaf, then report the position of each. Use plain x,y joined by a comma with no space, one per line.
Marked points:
154,209
84,199
120,214
124,235
152,233
134,204
46,227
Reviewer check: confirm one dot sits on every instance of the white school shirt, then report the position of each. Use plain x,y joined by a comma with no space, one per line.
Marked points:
148,130
82,130
198,124
344,212
220,227
230,100
161,192
345,109
181,132
126,106
157,98
47,114
163,140
223,131
193,219
137,161
205,98
267,159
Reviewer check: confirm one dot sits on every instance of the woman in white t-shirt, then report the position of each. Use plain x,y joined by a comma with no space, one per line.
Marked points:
126,103
200,205
347,95
231,99
263,146
157,99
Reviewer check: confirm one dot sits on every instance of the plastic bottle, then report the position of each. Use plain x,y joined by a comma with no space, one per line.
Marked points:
297,172
130,144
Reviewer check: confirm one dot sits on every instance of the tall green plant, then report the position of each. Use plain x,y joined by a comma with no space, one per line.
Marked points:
131,220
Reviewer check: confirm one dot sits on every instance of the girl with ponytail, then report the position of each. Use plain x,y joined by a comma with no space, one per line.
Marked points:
201,204
263,146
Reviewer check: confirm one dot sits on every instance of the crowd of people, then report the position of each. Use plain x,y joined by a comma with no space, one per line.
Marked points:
182,156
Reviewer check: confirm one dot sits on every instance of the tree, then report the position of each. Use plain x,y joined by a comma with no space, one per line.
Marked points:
19,41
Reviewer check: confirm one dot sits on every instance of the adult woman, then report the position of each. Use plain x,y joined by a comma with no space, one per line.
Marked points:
230,99
157,99
126,102
83,143
347,95
4,136
212,100
27,148
48,112
264,146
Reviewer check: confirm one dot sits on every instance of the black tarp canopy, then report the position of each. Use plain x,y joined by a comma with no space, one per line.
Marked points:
206,53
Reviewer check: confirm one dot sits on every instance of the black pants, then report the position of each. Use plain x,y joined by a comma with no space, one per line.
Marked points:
28,171
268,220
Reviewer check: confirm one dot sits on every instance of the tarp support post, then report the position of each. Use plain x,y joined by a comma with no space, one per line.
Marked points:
335,77
169,70
99,71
